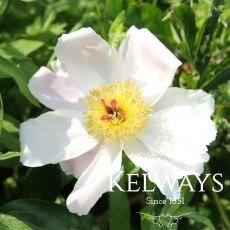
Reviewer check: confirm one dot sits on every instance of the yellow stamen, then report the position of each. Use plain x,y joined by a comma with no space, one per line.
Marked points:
116,111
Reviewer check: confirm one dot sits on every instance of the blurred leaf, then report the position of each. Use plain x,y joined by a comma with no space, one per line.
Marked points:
3,6
222,78
146,220
9,52
215,74
27,67
116,31
8,137
1,114
189,79
129,167
185,195
10,163
152,209
35,27
187,30
26,46
113,8
202,9
144,15
28,0
43,183
48,21
9,140
13,71
185,191
3,226
11,223
185,198
45,215
203,55
182,211
119,216
10,125
9,155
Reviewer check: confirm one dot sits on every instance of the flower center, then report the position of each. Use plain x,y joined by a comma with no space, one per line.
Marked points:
116,111
112,111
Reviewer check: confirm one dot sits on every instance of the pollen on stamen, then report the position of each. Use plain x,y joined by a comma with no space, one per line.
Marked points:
106,117
113,103
116,111
103,102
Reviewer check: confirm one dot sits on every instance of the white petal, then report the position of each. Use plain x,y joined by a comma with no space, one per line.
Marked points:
54,137
89,59
199,100
182,131
149,62
162,171
56,90
77,165
58,68
95,180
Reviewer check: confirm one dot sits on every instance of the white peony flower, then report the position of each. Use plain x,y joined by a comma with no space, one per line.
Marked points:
106,101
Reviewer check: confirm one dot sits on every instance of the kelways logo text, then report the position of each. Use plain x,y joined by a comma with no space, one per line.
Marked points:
165,181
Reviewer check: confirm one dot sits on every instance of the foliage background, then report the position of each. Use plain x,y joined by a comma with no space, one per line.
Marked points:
196,31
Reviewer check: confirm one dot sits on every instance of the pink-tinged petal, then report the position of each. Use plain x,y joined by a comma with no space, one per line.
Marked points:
149,62
161,170
89,59
95,180
56,90
53,137
77,165
180,126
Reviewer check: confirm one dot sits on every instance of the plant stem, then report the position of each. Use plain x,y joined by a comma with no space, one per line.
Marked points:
217,200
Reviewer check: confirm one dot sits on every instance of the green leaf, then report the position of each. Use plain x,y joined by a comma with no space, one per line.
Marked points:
185,196
26,46
187,29
113,7
3,6
19,77
1,114
116,31
9,125
119,217
11,223
221,78
27,67
150,16
9,140
9,136
146,218
181,14
28,0
215,74
10,163
201,219
190,213
9,155
9,52
43,183
204,54
3,226
185,191
189,79
46,215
